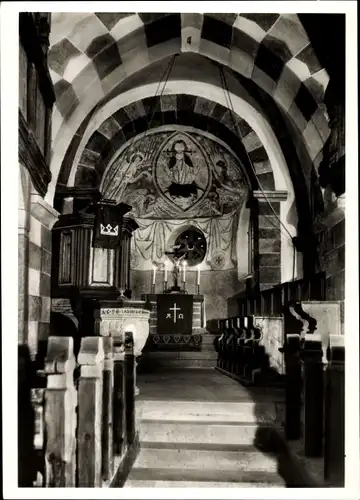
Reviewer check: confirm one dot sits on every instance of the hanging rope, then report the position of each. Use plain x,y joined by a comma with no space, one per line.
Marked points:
165,74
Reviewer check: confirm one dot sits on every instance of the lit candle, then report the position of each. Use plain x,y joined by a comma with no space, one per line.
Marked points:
154,275
198,275
184,267
165,276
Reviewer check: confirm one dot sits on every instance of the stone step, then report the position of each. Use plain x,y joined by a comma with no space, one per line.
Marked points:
194,459
171,355
213,447
152,431
186,363
240,477
143,483
209,348
207,411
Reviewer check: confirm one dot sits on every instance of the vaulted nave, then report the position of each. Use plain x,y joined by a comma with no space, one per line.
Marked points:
181,250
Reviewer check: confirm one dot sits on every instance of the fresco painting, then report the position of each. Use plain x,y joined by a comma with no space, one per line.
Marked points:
176,174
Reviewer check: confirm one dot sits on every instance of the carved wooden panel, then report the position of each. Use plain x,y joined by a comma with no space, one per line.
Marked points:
101,272
66,264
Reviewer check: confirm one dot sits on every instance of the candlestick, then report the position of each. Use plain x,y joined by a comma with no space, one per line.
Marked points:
165,272
184,271
154,275
198,275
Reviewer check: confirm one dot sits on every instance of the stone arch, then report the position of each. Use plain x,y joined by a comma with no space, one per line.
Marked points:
255,46
180,109
255,119
273,50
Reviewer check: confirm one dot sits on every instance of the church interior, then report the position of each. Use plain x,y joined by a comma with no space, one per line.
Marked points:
181,250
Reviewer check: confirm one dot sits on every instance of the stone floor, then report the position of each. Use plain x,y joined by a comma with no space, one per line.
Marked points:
200,428
200,385
187,394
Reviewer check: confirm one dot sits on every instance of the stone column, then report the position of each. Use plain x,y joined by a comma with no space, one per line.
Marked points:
23,253
91,360
269,237
42,219
60,413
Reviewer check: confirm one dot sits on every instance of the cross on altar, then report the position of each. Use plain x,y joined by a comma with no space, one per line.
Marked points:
175,309
174,314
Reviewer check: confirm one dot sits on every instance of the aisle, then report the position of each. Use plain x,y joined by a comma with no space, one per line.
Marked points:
199,428
200,385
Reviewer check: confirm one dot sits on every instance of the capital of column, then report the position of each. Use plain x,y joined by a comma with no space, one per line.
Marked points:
42,211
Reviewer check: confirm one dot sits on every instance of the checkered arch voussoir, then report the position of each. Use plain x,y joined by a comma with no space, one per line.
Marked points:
98,50
180,109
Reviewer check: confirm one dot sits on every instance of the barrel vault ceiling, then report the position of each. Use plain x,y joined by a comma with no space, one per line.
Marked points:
268,61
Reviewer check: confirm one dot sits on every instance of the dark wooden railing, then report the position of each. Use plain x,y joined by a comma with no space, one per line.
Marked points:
311,363
79,429
245,347
271,302
314,404
243,354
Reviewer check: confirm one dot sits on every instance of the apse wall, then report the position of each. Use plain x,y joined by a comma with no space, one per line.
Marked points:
178,179
216,286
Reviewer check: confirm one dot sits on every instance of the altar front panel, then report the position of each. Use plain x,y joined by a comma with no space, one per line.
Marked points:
174,314
178,341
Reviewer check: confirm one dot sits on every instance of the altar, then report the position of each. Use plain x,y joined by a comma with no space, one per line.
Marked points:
176,322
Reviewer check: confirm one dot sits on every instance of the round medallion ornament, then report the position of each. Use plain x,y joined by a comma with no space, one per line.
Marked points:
191,244
134,260
218,261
